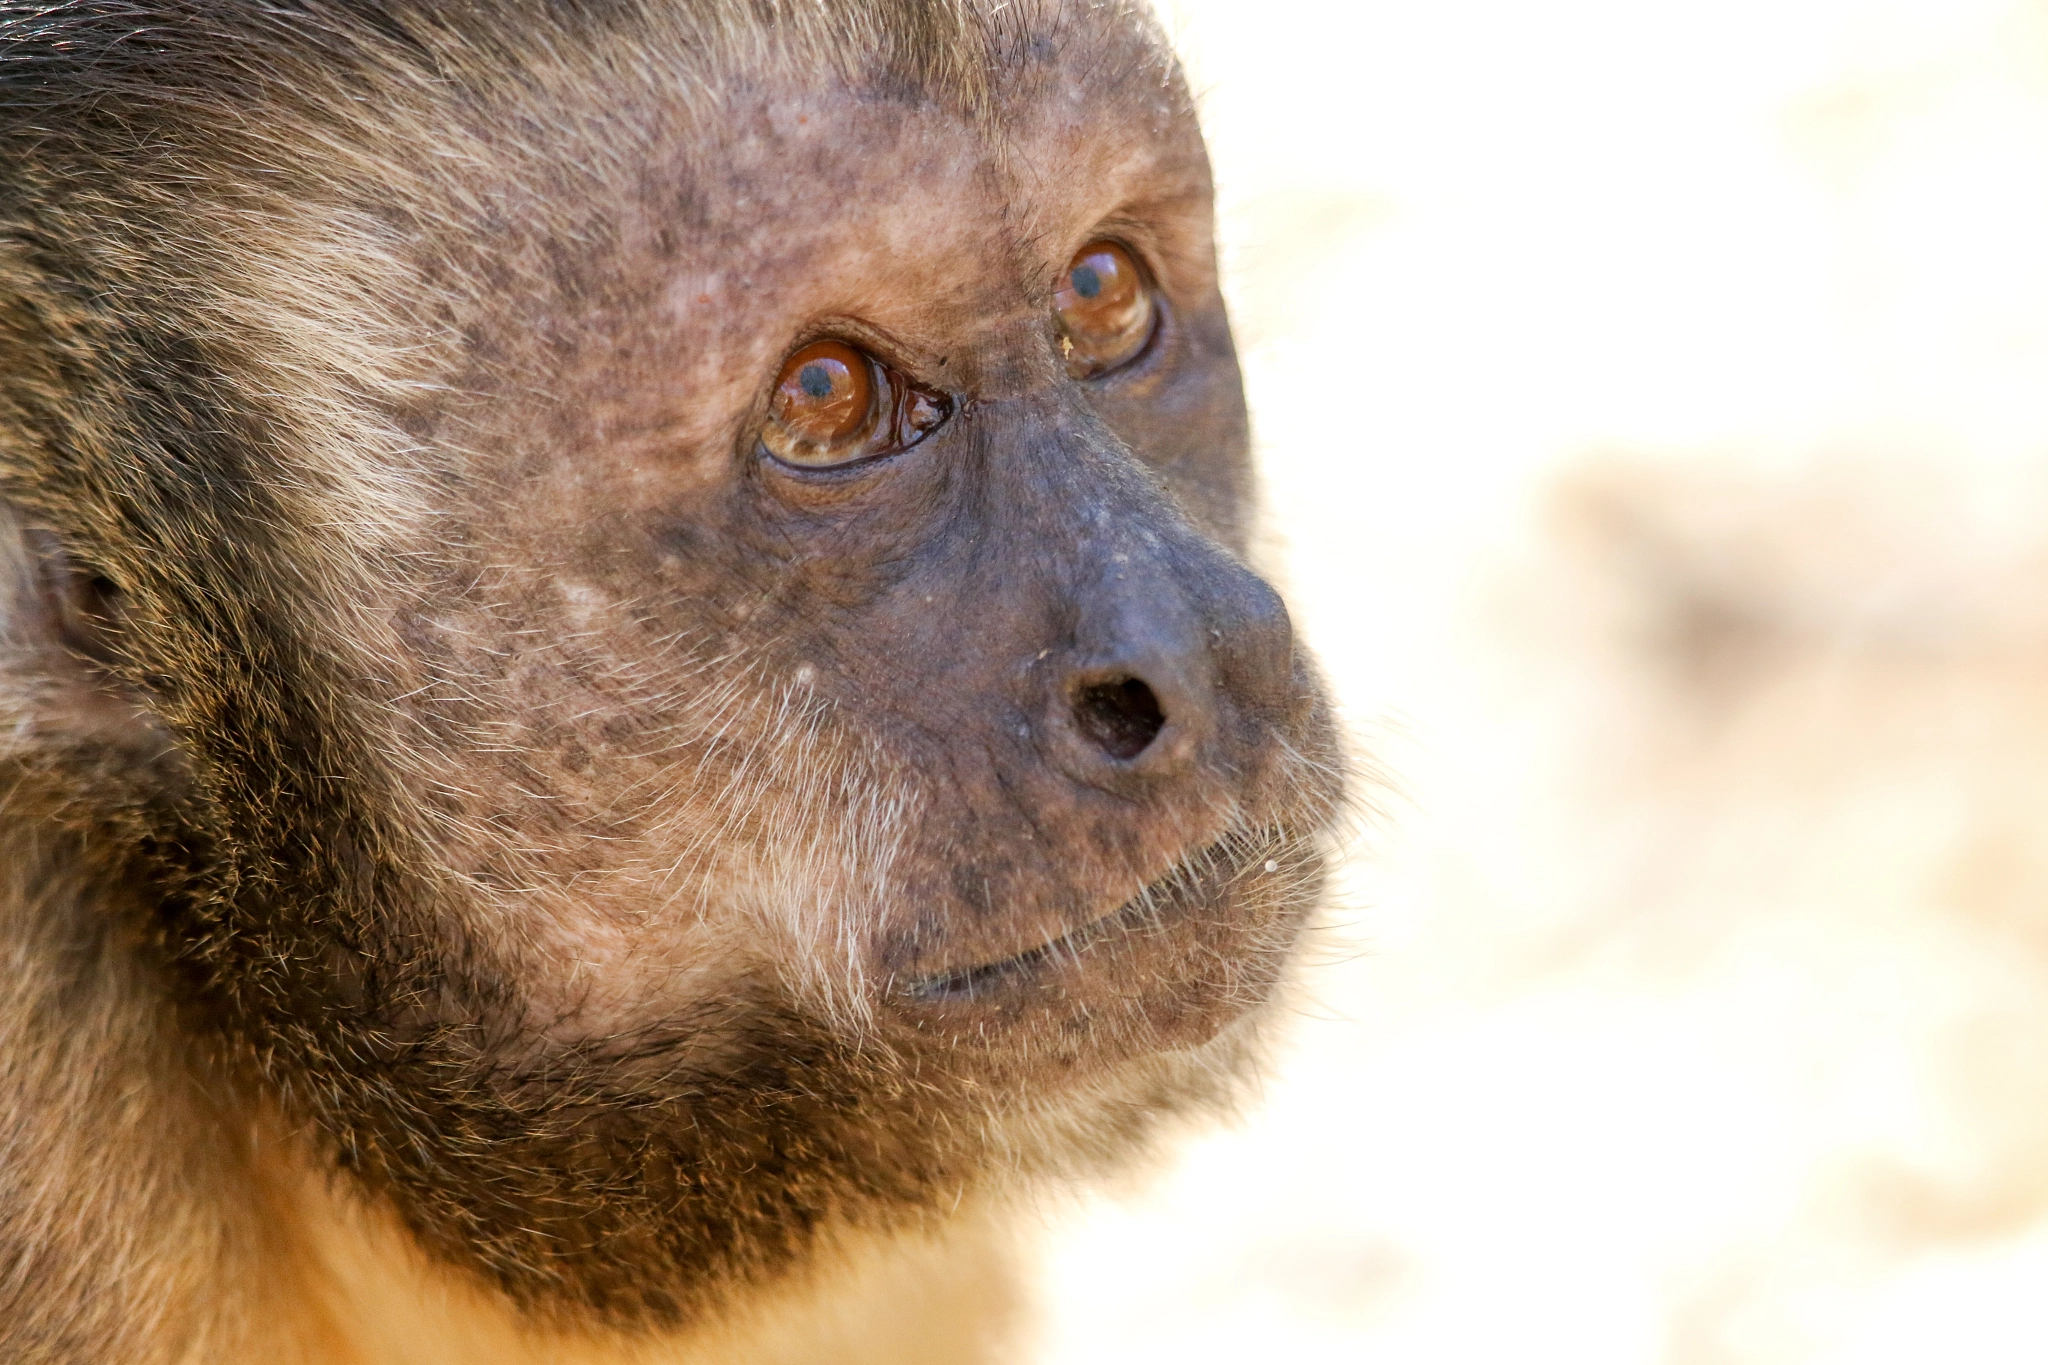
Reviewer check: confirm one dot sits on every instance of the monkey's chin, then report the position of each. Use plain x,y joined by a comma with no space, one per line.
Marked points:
1166,969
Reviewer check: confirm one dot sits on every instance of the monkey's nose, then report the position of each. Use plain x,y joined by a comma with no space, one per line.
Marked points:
1170,664
1119,725
1120,716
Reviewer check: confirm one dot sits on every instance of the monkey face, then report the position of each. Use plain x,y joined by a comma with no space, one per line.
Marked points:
882,589
715,687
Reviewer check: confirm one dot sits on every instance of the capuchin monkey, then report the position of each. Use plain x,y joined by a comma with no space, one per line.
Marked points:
629,696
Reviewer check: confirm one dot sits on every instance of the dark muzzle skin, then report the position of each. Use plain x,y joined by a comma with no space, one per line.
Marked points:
1105,712
1178,661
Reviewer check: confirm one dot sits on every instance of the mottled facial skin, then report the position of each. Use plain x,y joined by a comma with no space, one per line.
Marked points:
726,848
929,619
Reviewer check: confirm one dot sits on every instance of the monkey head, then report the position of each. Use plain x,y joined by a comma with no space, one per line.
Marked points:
688,579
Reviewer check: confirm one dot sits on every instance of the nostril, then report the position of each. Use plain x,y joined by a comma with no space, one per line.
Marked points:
1121,716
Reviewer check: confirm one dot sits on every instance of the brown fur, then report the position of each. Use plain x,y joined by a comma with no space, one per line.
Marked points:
478,840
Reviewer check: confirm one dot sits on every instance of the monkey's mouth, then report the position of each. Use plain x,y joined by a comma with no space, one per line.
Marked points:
1205,879
967,984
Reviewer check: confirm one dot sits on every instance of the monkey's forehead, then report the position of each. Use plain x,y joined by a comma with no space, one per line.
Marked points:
794,166
691,130
713,211
1035,102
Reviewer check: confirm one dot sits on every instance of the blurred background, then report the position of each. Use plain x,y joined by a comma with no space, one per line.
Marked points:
1653,400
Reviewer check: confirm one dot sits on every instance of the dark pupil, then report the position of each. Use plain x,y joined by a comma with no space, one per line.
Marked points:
1086,282
816,380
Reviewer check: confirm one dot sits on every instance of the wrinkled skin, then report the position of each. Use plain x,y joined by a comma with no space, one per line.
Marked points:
719,851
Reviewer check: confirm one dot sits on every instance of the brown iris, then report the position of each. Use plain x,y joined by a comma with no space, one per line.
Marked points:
1104,308
834,404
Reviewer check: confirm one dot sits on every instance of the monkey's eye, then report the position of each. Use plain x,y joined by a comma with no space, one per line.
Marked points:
834,404
1104,309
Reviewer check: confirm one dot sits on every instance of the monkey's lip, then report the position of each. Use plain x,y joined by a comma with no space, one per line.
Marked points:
966,984
1150,910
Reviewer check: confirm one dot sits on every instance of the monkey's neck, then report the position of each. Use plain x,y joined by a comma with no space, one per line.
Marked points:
124,1198
939,1299
153,1211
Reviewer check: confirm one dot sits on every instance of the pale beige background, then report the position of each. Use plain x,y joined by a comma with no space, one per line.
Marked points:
1654,402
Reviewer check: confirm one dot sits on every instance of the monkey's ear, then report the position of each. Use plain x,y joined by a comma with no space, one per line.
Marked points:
58,624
